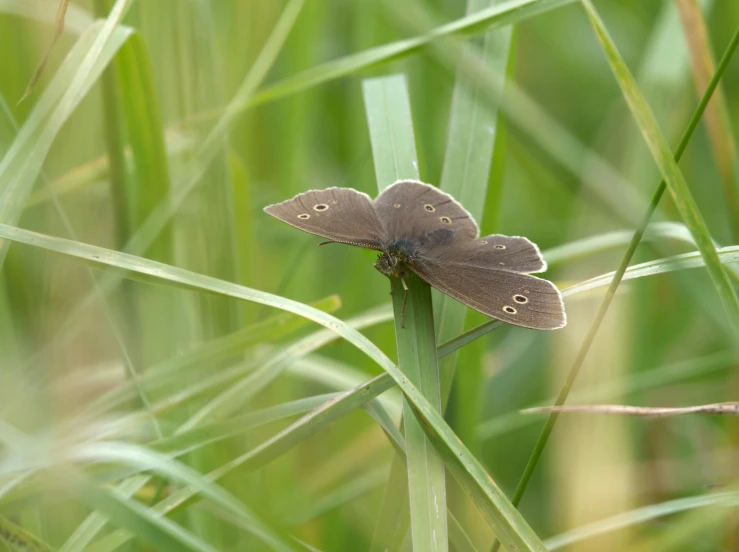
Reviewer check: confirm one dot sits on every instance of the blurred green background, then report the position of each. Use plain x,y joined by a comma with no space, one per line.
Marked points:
156,126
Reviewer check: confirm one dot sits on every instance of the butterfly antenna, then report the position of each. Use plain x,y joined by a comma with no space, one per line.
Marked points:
324,243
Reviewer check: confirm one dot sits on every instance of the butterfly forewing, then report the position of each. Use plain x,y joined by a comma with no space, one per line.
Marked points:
339,214
512,297
411,210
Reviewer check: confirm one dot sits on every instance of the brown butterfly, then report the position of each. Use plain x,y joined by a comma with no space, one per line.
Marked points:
419,228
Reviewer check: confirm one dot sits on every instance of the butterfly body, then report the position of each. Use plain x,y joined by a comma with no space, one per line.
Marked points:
418,227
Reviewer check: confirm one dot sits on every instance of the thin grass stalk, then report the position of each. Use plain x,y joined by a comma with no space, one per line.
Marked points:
664,159
618,276
394,152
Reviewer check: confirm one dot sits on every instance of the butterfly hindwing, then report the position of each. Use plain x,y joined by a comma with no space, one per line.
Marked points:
512,297
338,214
511,253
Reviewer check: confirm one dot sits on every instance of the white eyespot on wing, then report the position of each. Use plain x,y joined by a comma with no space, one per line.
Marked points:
509,309
445,220
303,216
320,207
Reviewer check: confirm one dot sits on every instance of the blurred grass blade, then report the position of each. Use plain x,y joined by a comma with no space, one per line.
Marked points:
149,460
391,130
147,525
77,19
17,538
471,140
277,445
495,17
91,526
22,163
160,375
717,119
394,151
671,173
270,367
198,165
58,31
727,500
526,115
685,261
574,250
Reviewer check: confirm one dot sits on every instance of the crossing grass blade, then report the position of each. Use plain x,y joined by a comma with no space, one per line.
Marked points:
667,165
489,19
394,151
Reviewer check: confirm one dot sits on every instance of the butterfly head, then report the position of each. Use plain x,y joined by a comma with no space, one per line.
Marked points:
392,260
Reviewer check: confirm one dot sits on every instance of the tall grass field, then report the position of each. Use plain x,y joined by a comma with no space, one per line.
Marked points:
181,371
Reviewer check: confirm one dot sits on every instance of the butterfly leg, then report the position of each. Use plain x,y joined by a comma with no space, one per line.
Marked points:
405,298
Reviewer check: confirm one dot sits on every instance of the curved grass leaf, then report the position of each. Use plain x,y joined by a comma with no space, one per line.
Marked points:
394,153
505,521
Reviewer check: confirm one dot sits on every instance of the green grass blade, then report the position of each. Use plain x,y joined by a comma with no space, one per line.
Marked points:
471,140
672,174
160,532
76,20
504,520
391,130
394,151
